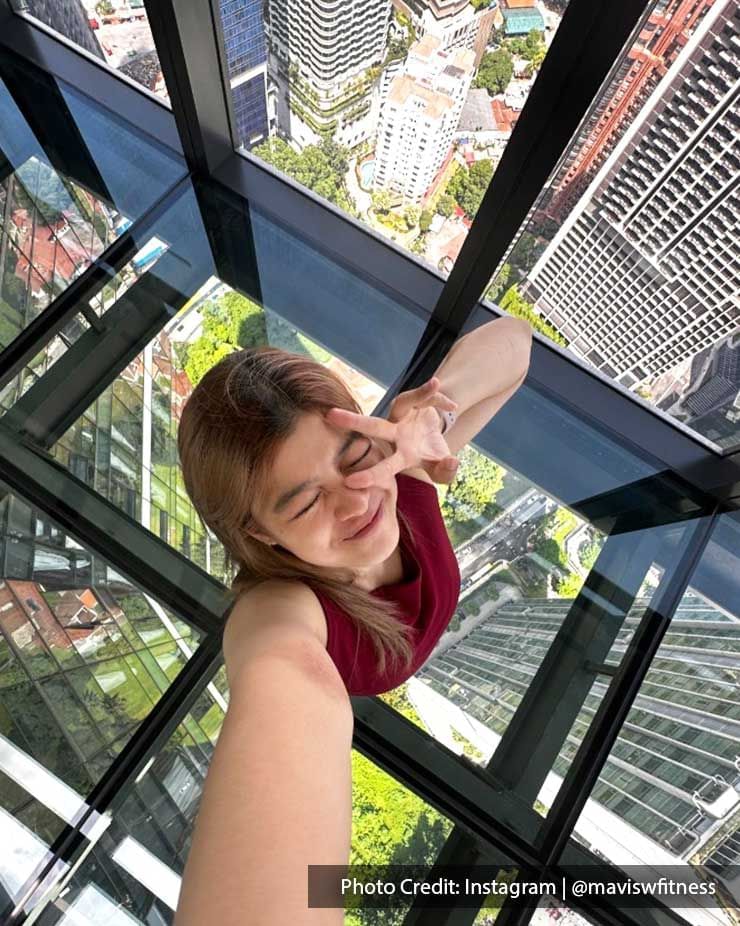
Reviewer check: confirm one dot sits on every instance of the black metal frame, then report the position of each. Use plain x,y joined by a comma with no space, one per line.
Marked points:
192,57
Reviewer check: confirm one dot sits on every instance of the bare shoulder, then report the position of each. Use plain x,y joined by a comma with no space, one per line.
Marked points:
271,613
418,473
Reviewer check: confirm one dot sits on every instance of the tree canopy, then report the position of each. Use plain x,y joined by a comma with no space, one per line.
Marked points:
321,168
495,71
467,187
515,304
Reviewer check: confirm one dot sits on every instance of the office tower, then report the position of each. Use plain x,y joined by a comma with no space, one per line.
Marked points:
644,272
665,32
673,774
457,23
419,117
324,61
246,55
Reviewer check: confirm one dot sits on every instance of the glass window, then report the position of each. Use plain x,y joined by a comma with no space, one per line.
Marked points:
670,788
73,184
615,260
398,114
116,33
82,662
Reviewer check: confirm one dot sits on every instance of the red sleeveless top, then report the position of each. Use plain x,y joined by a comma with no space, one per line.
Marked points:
427,596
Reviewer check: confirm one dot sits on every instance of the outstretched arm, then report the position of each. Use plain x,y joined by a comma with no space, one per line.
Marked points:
482,371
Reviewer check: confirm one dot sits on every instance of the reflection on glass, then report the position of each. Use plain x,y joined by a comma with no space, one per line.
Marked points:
53,224
669,793
84,657
630,257
399,114
551,911
116,32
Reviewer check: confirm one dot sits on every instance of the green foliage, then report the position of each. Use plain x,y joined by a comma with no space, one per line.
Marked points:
525,253
412,214
495,71
549,549
569,586
515,304
446,205
480,4
469,186
321,168
473,491
104,8
382,201
234,321
587,553
499,284
425,220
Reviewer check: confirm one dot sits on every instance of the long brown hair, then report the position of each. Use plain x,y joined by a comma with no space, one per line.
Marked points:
229,433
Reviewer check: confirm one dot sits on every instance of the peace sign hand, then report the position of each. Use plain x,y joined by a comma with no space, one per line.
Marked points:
415,434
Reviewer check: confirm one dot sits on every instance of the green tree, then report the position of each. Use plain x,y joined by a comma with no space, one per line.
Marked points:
525,252
499,284
495,71
533,43
475,486
469,186
569,586
425,221
515,304
382,201
321,168
104,8
412,215
446,205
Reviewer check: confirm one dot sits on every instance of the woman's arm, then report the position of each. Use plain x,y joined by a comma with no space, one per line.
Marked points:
481,372
278,794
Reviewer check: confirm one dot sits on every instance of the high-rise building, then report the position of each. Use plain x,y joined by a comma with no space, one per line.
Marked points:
673,774
644,272
324,64
419,117
665,32
246,55
457,23
69,17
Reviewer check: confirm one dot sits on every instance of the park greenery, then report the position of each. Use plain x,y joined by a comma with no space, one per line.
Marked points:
445,205
531,47
469,501
322,168
468,187
495,71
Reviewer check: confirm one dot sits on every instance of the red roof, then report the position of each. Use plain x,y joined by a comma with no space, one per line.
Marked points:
504,116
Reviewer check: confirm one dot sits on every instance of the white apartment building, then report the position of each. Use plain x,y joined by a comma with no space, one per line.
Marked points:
419,117
456,23
324,58
645,271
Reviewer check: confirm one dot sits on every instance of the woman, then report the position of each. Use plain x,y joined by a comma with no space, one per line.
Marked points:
346,581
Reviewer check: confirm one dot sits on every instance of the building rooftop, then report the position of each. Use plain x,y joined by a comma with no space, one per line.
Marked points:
522,21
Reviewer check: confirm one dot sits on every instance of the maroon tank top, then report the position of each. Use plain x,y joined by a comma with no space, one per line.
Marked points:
427,596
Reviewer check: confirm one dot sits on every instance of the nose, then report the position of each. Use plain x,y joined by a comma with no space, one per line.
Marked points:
351,503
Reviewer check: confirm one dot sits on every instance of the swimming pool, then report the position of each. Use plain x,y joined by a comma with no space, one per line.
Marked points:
367,172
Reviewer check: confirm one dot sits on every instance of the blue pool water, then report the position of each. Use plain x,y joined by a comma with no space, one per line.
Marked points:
367,172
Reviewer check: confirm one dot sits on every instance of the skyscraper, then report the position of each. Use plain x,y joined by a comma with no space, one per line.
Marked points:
457,23
673,774
644,272
246,55
324,61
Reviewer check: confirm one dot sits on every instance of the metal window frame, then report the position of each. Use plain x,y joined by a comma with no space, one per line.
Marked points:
194,68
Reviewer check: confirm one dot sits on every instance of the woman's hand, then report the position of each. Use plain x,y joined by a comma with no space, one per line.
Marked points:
413,427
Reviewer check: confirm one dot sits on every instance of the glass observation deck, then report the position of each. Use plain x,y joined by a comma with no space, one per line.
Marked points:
157,212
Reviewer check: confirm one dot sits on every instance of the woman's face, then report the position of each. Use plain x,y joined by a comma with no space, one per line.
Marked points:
306,508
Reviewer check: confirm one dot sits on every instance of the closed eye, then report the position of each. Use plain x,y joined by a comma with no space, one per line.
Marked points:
352,465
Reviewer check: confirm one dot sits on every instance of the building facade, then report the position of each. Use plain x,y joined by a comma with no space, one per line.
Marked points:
420,116
644,272
325,60
457,23
246,55
673,775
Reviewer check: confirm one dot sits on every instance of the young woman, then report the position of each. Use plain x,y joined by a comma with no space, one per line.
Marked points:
346,581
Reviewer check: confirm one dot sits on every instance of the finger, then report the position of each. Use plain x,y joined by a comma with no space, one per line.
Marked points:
405,401
444,470
381,474
439,400
365,424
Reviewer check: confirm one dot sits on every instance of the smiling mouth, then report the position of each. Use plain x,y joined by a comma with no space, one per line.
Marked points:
370,524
